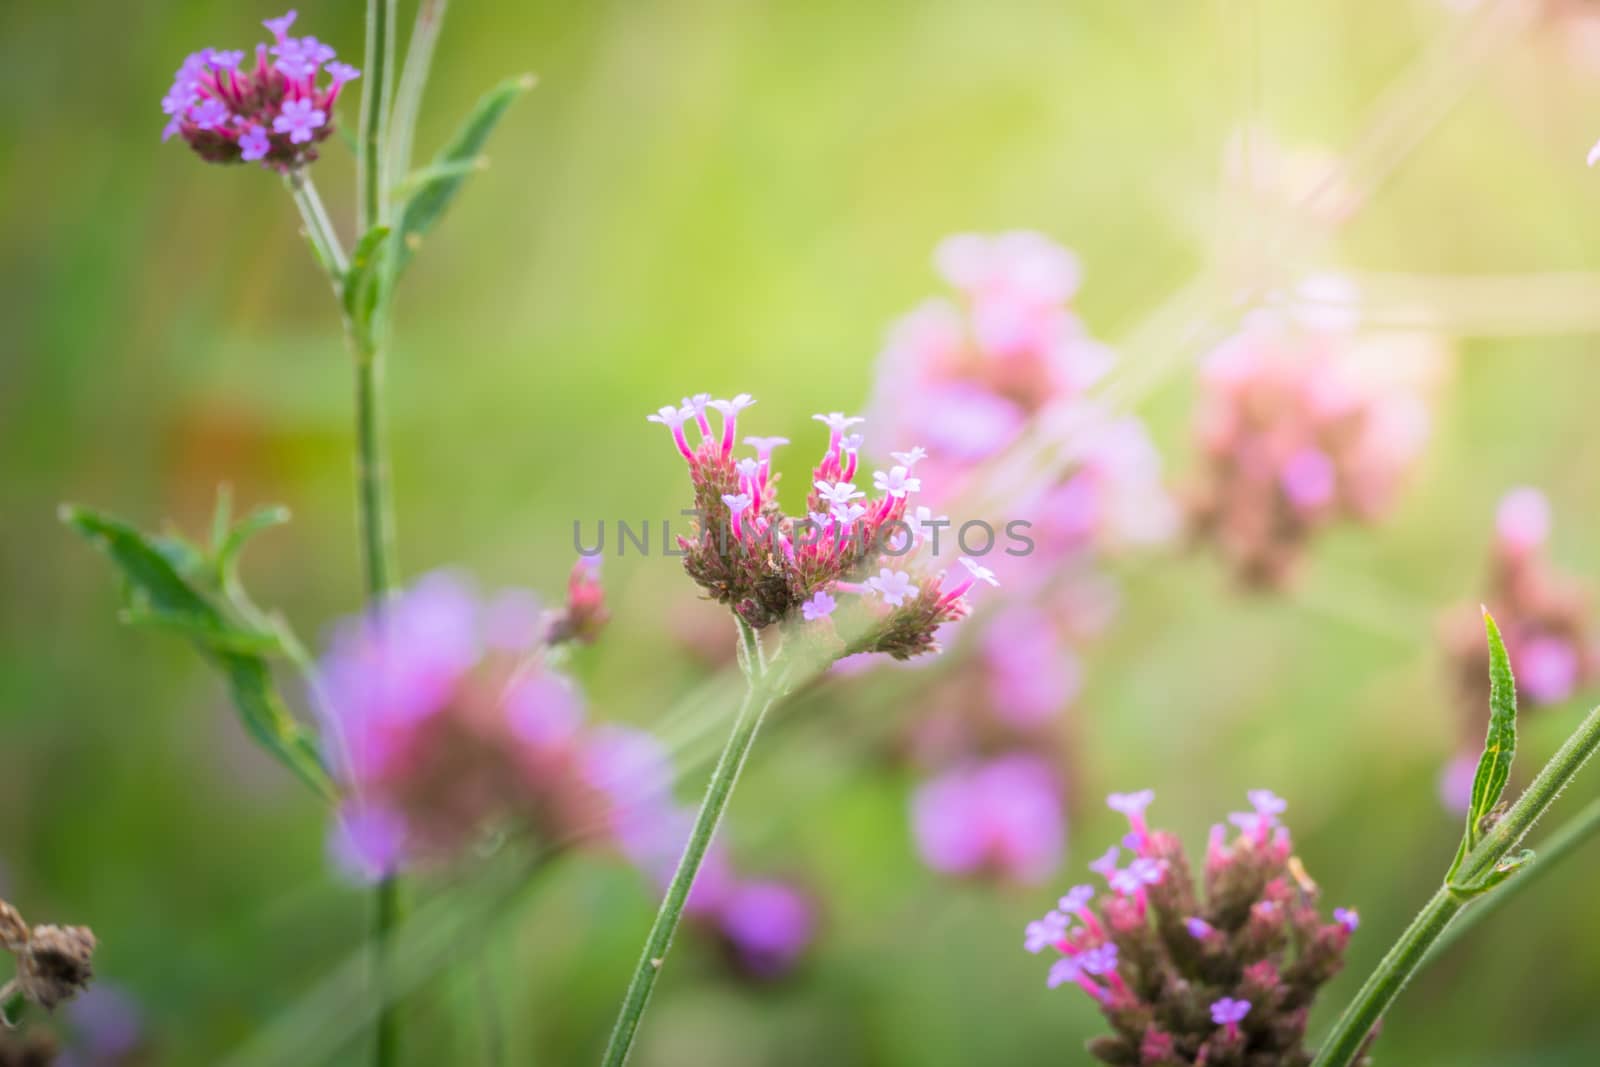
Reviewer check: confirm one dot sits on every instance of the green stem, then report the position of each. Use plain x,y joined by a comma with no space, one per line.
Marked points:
372,177
1562,842
372,209
1552,778
759,697
320,233
1384,984
386,918
413,80
372,477
372,492
1477,873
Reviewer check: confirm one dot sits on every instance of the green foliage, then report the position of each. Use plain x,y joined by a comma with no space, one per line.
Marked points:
383,252
367,282
1494,766
435,186
1500,746
171,584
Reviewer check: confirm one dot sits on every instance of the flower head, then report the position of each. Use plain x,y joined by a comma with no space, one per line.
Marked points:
274,113
768,925
1106,865
897,481
1001,819
300,120
443,724
254,144
837,493
820,606
837,422
770,567
1177,962
894,586
765,445
1304,421
1522,522
1229,1012
1042,933
911,458
279,26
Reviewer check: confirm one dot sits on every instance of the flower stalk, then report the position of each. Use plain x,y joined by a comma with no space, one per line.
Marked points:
1478,870
372,209
764,690
372,171
324,239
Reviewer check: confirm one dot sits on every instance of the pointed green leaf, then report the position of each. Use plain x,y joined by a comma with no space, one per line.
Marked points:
1500,746
160,595
452,165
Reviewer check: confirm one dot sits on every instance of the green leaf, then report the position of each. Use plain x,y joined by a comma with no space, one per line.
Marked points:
1500,746
441,181
203,631
418,180
227,549
367,281
159,595
1504,869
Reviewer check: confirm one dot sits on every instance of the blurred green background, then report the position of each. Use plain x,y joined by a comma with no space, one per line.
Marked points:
739,196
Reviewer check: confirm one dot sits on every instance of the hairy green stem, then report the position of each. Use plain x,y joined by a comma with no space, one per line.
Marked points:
413,80
1561,842
759,697
1477,873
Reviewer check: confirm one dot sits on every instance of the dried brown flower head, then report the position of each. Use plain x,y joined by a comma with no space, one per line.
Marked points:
54,963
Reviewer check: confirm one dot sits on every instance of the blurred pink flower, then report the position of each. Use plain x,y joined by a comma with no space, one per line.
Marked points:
1548,669
1003,818
1455,782
1303,420
1522,522
769,925
1032,676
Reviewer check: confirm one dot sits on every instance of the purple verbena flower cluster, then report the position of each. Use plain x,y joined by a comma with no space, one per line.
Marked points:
1221,972
771,568
274,113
